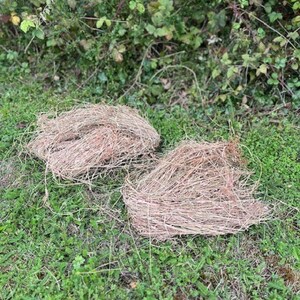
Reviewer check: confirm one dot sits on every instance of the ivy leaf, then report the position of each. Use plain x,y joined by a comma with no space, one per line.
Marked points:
281,40
26,24
273,16
296,5
39,33
225,59
268,8
293,35
262,69
247,60
215,73
231,71
296,20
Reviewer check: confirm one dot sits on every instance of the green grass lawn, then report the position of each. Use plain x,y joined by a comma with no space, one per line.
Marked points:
77,243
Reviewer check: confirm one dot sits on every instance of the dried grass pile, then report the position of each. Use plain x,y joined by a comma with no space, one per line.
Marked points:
79,142
198,188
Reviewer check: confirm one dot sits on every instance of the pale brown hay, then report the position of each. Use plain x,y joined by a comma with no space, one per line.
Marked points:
84,140
198,188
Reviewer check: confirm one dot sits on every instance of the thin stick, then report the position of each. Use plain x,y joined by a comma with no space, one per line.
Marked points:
179,66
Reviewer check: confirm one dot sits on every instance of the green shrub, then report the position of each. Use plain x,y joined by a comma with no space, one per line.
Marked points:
161,51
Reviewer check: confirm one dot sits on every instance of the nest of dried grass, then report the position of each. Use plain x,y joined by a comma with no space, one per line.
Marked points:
198,188
79,142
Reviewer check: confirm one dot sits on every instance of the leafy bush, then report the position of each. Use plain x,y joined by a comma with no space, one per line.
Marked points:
159,51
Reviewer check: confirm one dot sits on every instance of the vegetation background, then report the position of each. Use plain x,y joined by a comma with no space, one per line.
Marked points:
197,69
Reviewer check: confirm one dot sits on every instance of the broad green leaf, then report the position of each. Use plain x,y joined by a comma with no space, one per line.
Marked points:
51,43
272,81
158,19
236,26
215,73
296,5
197,42
108,22
141,8
262,69
295,66
268,7
247,59
296,20
297,53
281,40
293,35
150,28
221,18
11,55
278,39
122,48
132,5
261,33
162,31
26,24
100,22
273,16
225,59
231,71
222,97
39,33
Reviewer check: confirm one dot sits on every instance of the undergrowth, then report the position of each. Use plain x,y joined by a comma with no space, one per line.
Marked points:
75,242
246,52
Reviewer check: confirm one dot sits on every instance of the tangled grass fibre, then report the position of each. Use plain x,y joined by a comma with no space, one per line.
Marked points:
81,142
198,188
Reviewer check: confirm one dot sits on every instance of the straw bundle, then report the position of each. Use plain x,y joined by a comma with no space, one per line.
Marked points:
81,141
198,188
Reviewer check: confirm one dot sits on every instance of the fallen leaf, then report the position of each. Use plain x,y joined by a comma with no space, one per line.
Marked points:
133,284
15,19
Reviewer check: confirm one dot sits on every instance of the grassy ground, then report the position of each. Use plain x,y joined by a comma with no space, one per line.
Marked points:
77,243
